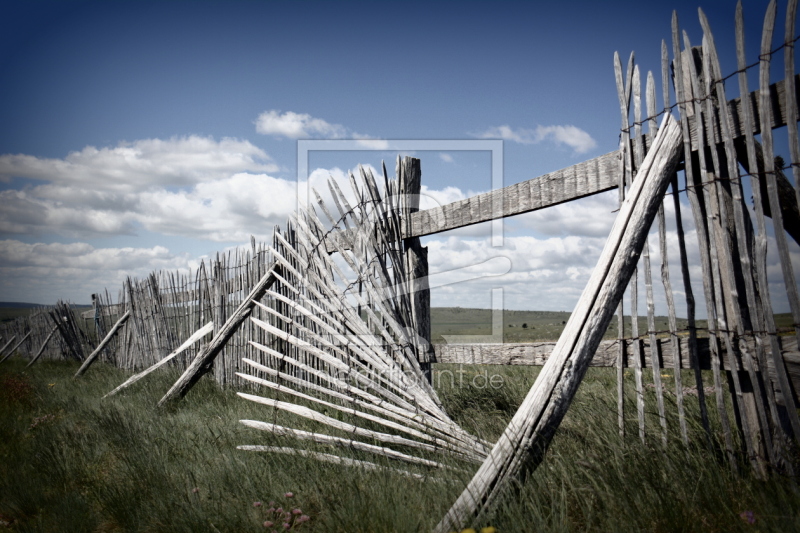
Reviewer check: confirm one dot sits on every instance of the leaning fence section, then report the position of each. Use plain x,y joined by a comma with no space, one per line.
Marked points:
332,312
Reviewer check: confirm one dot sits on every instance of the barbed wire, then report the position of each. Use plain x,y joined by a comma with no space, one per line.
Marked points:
669,109
738,179
716,331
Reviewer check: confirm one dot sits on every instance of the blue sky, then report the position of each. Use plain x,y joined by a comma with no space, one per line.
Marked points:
145,135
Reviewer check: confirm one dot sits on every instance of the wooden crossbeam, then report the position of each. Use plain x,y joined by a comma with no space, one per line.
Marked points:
537,353
572,183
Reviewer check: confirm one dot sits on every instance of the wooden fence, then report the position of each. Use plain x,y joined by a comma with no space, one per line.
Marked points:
711,161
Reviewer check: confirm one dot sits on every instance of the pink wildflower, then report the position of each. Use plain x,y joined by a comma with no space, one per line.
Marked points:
289,495
195,490
268,524
297,511
286,525
279,510
303,518
748,516
256,504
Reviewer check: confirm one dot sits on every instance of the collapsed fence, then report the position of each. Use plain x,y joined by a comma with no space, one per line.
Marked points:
335,313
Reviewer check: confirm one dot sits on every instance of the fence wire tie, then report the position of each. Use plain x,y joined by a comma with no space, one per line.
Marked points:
761,57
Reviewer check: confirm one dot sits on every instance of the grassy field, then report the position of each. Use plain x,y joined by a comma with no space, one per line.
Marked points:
71,462
535,326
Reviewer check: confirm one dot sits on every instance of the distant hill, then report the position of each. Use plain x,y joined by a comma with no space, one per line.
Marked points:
18,305
13,310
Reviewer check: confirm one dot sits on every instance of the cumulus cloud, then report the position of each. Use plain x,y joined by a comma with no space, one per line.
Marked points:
297,125
551,270
142,164
592,216
303,126
227,209
190,186
43,273
570,136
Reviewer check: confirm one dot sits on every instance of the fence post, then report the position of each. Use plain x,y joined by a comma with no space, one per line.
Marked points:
410,177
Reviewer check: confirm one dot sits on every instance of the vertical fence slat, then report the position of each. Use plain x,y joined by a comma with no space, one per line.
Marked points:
772,193
625,168
634,285
681,86
655,364
745,238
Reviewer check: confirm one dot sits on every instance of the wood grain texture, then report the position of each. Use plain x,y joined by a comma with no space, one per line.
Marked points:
522,445
89,360
204,359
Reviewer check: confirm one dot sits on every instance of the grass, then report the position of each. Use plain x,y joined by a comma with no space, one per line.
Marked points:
72,462
537,326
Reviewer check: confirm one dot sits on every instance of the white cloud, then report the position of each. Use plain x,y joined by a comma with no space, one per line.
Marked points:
303,126
139,165
297,125
592,217
550,271
43,273
570,136
372,144
189,186
447,158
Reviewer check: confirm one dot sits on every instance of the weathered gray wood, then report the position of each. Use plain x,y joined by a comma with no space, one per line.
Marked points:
205,358
6,345
89,360
12,350
522,445
409,174
721,274
786,193
196,336
633,287
732,193
341,442
625,169
537,353
648,278
665,277
43,346
774,202
684,95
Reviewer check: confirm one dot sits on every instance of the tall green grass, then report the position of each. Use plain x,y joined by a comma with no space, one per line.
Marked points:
72,462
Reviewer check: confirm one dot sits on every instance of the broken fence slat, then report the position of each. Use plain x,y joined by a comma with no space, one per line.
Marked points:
111,334
532,427
196,336
44,345
6,345
202,362
15,346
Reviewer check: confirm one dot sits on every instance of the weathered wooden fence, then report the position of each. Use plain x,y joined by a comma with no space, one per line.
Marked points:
294,316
